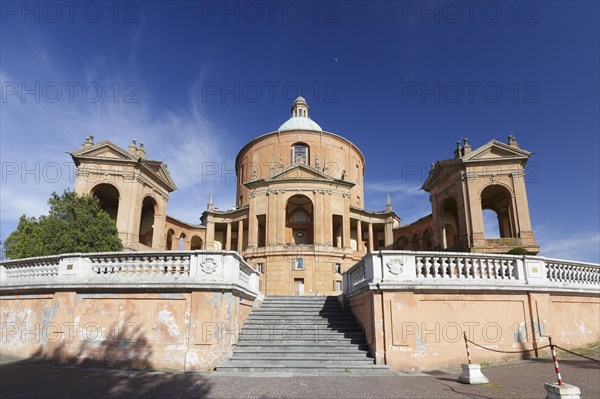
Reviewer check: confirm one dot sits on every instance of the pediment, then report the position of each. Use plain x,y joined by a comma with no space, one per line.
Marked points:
160,170
299,172
103,150
108,151
494,150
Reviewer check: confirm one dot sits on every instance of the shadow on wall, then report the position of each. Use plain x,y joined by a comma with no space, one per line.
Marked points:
125,348
38,379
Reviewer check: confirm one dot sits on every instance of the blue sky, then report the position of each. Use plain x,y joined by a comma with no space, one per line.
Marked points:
403,80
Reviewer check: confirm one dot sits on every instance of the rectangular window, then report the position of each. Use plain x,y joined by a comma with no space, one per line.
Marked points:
338,285
337,268
298,264
260,267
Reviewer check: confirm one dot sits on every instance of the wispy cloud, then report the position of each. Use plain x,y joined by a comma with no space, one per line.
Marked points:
184,138
583,246
408,200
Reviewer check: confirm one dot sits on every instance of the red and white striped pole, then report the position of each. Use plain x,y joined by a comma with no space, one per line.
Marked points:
467,346
555,360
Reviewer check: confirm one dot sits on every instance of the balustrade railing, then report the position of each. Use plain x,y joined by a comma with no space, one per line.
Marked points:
177,264
461,267
37,267
437,270
197,269
571,272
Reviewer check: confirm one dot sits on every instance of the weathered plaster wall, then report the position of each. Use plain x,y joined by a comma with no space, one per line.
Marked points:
182,331
424,331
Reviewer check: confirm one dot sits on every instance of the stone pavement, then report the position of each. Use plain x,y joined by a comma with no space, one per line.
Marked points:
522,379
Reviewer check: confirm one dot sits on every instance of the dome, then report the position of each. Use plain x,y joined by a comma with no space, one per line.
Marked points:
300,119
300,123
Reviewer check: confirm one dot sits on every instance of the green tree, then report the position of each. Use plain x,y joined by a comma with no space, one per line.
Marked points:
75,223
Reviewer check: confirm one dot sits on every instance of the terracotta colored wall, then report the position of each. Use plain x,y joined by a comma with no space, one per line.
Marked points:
183,331
340,154
423,331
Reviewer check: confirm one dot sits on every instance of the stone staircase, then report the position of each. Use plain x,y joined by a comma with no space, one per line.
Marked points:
302,335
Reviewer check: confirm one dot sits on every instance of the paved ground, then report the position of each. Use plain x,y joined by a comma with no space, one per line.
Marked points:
524,379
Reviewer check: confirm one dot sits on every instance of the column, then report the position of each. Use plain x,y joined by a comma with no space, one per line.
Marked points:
281,214
359,245
252,224
210,234
346,222
156,232
389,234
228,237
240,245
370,237
271,222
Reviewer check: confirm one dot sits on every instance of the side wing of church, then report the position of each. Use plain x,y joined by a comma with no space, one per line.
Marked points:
299,217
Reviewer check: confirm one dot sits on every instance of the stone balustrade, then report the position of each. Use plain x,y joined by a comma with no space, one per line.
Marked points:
409,270
195,270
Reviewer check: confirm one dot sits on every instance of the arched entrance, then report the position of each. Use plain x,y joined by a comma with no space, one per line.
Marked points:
169,243
299,220
427,241
450,233
196,243
401,243
415,244
498,199
147,221
108,195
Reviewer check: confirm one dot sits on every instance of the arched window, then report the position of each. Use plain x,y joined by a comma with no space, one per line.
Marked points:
299,211
299,216
300,153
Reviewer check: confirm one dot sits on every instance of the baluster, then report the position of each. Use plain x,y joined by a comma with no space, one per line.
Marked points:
479,262
470,267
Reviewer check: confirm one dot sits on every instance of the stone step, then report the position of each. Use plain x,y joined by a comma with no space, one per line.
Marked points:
297,312
287,359
339,356
308,342
294,334
299,298
301,307
332,350
276,321
277,371
301,326
302,303
300,316
302,345
290,327
305,335
316,360
299,321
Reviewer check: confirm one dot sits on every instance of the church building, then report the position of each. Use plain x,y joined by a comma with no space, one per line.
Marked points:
299,217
